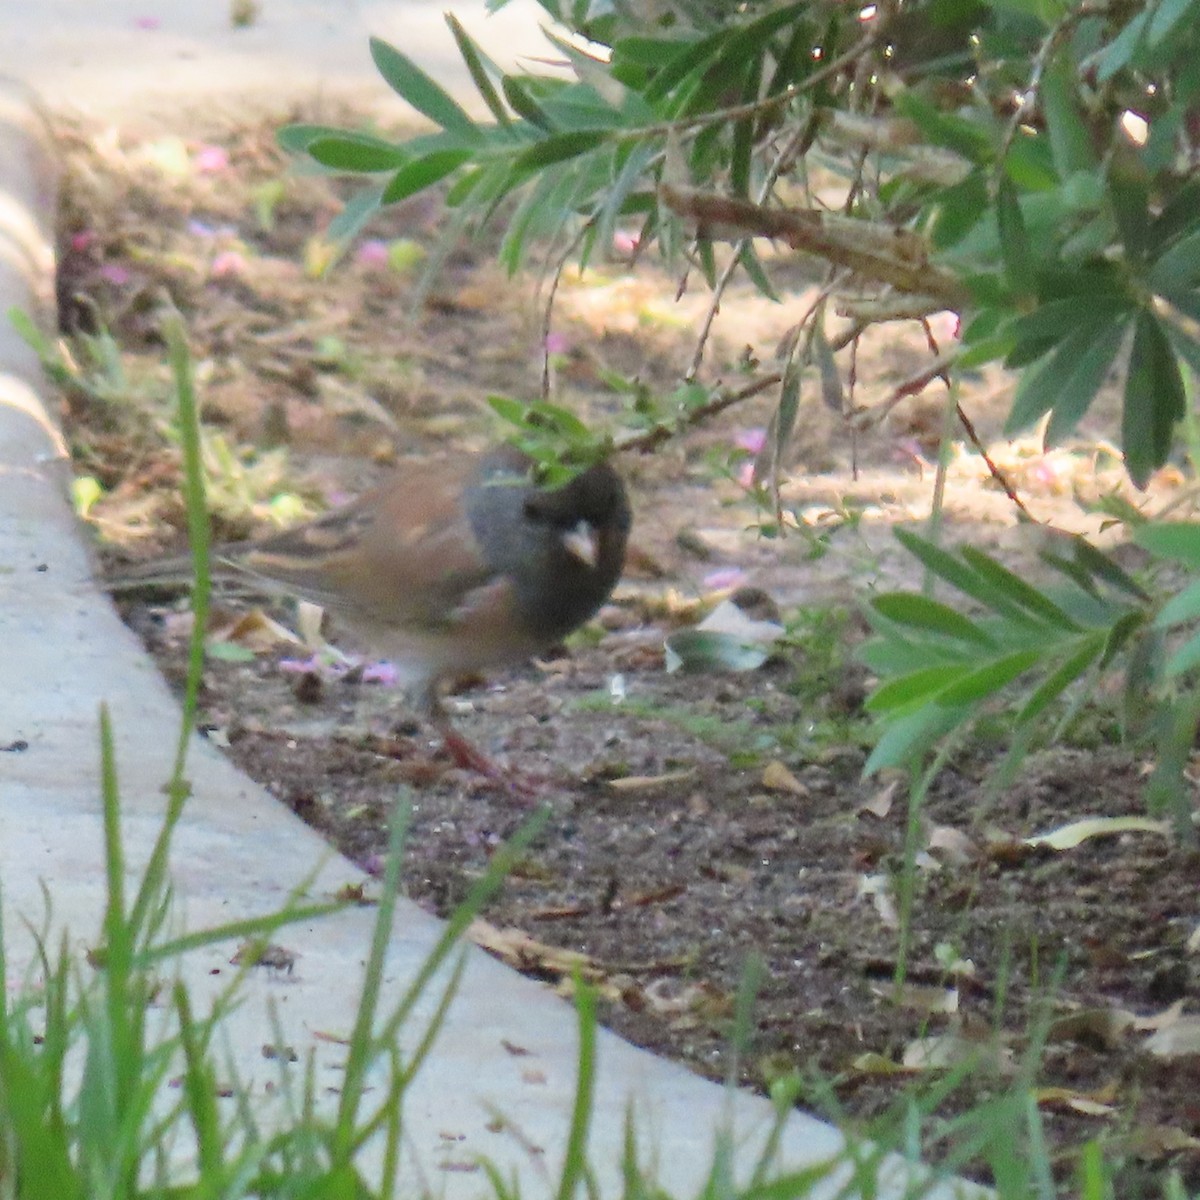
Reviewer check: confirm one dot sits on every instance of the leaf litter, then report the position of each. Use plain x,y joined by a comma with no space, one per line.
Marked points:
700,820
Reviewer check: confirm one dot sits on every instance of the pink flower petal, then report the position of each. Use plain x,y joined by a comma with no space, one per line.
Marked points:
83,240
750,440
227,263
557,343
146,23
115,273
383,673
373,253
299,666
726,577
210,160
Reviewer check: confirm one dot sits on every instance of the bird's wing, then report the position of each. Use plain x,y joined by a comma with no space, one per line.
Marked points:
402,554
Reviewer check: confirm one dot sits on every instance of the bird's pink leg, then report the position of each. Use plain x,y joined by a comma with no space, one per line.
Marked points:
469,757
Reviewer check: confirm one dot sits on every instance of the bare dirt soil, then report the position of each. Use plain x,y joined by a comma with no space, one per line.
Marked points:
698,823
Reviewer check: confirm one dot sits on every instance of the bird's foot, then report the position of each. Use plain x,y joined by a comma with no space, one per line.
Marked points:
469,757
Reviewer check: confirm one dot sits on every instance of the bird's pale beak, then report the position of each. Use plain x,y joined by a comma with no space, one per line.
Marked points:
583,543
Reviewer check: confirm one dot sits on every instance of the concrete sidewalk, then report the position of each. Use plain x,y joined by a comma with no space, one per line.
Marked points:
238,852
138,60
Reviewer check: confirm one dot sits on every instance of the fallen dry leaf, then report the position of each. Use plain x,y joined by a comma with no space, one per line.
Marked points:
1105,1026
878,889
642,783
880,804
944,1050
1153,1142
1179,1039
1067,837
924,998
950,845
1168,1016
337,1039
872,1063
254,631
1089,1104
519,950
777,778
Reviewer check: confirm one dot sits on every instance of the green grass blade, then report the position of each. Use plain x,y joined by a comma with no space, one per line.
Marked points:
575,1156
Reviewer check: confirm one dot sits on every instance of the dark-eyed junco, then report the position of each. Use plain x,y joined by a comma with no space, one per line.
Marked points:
446,570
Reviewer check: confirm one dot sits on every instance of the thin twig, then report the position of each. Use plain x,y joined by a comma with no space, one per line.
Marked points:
754,107
872,250
993,469
915,384
764,193
1041,60
651,438
570,249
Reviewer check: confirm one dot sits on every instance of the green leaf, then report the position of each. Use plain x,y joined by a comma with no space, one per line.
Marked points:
1070,139
508,409
1008,584
228,652
832,395
1129,200
1183,606
756,273
1058,319
644,51
989,679
959,208
679,66
356,212
783,422
560,146
356,152
1185,658
741,155
959,575
1077,391
920,612
906,740
416,176
478,64
1120,635
711,650
891,653
427,96
521,100
1102,566
1059,680
1176,540
1154,399
722,52
969,138
915,687
1120,52
1166,16
1037,390
1015,249
296,139
1178,270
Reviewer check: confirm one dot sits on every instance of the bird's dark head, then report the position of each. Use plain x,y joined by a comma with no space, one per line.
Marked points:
566,551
